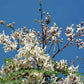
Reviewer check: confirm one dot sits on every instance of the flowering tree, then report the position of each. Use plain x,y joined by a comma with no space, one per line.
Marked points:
32,64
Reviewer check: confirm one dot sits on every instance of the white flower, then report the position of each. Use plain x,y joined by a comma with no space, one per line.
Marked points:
73,69
80,29
69,31
81,45
53,38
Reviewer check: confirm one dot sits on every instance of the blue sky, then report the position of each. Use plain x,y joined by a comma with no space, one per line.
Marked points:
63,12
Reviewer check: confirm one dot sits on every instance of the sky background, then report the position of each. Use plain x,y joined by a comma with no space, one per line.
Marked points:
63,12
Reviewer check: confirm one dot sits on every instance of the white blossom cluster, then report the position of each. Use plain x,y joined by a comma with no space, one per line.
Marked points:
72,36
52,34
9,45
70,33
32,56
55,32
62,65
71,79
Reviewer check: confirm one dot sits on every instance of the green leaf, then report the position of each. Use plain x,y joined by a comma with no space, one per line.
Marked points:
7,59
58,78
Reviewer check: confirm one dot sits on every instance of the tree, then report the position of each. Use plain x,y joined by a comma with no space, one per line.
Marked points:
32,64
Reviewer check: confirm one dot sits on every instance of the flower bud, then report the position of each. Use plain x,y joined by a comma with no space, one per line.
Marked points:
81,23
76,57
35,20
40,2
77,26
2,22
11,26
27,31
58,40
61,41
7,25
13,23
24,27
54,25
33,29
41,21
44,13
39,9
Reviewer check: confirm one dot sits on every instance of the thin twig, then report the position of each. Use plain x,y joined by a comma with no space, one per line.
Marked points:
60,50
58,46
50,47
43,37
17,39
54,48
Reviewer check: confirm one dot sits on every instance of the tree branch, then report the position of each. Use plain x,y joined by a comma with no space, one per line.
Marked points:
60,50
50,47
43,37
